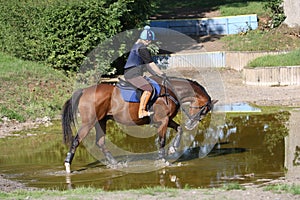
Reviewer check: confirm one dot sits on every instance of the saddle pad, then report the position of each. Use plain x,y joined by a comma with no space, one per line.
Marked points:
131,94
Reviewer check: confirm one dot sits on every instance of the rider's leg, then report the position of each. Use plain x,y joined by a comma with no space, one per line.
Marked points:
142,108
141,83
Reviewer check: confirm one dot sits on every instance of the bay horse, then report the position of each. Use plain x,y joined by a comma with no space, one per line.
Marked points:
102,102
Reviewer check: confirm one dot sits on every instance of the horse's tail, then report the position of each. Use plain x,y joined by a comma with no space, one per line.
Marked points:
69,114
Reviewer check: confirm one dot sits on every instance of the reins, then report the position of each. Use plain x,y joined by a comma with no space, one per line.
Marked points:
166,82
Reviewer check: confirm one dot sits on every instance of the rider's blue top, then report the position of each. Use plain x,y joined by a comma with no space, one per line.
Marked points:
139,55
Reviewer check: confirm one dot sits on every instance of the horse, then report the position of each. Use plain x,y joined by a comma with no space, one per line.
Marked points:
102,102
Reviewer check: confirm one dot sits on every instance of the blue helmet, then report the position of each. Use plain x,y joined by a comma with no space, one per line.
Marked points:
147,34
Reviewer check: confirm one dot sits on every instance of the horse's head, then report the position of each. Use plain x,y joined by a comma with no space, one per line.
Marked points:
200,104
189,91
197,111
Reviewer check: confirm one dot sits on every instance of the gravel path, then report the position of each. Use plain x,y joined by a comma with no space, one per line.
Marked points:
236,91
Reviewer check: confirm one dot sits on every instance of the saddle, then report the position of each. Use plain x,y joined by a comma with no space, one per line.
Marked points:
130,93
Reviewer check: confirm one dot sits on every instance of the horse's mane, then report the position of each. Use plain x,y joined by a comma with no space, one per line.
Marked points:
192,82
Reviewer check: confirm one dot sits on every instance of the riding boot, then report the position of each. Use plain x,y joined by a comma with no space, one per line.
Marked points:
144,100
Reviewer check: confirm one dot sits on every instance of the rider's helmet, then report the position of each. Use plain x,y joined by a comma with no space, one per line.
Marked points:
147,34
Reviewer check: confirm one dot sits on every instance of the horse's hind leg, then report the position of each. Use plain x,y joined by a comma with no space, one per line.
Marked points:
82,132
100,141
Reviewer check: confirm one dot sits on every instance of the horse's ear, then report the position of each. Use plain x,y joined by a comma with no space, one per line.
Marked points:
214,101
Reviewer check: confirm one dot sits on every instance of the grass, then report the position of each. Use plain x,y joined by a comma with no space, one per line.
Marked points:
88,193
78,193
153,191
243,8
233,186
258,40
30,90
290,59
158,192
226,7
284,188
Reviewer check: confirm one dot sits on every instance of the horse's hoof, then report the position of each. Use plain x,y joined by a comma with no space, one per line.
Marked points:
171,150
68,168
111,160
162,163
161,153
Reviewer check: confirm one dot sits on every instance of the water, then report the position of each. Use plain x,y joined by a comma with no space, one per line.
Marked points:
250,150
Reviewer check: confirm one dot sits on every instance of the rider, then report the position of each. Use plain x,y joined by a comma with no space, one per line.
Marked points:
138,59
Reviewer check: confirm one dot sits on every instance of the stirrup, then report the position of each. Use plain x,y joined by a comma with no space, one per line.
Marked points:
145,114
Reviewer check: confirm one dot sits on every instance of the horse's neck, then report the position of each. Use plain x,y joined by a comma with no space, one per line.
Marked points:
187,91
182,87
184,90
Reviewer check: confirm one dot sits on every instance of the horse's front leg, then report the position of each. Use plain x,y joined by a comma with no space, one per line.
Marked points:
100,141
162,111
176,141
162,129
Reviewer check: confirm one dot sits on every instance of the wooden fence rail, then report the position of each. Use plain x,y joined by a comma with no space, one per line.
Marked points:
228,59
272,76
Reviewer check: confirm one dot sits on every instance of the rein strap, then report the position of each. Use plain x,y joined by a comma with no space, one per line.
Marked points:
166,82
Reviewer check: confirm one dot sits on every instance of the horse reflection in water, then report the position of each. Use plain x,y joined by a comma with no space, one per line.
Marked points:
99,103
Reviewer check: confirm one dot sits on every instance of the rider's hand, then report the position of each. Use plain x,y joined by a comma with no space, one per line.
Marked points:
164,76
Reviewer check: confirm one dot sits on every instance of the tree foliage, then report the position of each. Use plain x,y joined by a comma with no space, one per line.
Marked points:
62,33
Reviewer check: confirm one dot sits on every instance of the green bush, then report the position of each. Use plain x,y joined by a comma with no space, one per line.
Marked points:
62,33
277,13
20,30
74,29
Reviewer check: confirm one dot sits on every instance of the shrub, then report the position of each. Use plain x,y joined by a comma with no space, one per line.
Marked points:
62,33
74,29
277,12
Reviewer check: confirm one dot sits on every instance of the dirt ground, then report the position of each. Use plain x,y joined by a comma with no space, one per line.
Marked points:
236,91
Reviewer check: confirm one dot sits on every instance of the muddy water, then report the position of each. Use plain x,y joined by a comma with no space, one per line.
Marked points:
251,150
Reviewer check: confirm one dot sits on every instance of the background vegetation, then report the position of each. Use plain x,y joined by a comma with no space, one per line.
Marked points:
62,33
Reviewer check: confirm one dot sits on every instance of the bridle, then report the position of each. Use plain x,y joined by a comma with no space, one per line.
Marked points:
195,117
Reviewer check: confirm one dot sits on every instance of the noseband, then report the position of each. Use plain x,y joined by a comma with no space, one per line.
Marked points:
195,117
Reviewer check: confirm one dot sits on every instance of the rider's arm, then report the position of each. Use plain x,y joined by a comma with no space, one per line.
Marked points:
151,66
153,69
